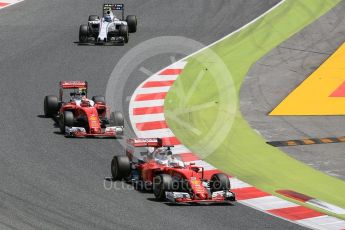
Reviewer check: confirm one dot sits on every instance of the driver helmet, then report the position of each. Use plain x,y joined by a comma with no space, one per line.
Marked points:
85,102
160,154
80,93
174,162
77,95
107,18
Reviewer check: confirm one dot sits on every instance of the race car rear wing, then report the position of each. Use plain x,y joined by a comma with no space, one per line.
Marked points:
145,142
73,84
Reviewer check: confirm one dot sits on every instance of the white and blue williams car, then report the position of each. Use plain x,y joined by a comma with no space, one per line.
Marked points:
108,30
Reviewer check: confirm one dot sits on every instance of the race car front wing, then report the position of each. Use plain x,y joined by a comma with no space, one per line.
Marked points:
115,41
113,131
217,197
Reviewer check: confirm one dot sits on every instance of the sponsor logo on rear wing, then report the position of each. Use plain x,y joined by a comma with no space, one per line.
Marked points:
73,84
145,142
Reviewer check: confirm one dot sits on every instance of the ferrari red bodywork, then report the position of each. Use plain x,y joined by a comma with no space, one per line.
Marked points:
91,117
86,118
191,186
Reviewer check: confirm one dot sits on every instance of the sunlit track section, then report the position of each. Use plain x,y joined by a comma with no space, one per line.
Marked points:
7,3
146,110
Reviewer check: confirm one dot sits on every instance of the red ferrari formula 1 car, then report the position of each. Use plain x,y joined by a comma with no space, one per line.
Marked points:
80,116
169,178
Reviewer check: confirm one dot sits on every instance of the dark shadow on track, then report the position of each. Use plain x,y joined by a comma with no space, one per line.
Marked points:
189,204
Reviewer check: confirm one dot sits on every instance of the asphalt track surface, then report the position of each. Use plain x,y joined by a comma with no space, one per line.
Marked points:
50,182
277,74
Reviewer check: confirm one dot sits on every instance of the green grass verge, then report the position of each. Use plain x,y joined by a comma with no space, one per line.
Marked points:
203,103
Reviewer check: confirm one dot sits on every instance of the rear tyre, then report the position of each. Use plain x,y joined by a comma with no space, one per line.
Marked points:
132,23
93,17
66,119
117,119
219,182
97,99
51,106
120,167
161,184
124,33
83,33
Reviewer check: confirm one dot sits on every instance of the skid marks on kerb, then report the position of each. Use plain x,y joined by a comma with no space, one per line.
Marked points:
146,110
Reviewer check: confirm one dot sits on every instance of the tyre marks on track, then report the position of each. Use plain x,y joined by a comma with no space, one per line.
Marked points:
322,93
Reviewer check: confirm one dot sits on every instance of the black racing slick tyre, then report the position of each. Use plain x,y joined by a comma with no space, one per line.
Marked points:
117,119
83,33
124,33
98,99
132,23
66,119
162,183
51,106
219,182
93,17
120,167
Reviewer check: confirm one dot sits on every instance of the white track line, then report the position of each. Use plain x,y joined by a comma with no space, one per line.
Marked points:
142,104
149,117
163,77
236,183
153,90
269,202
323,222
155,133
178,149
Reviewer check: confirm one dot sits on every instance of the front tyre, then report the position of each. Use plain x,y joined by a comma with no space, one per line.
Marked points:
51,106
66,119
117,119
220,182
132,23
83,33
162,183
124,33
120,167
